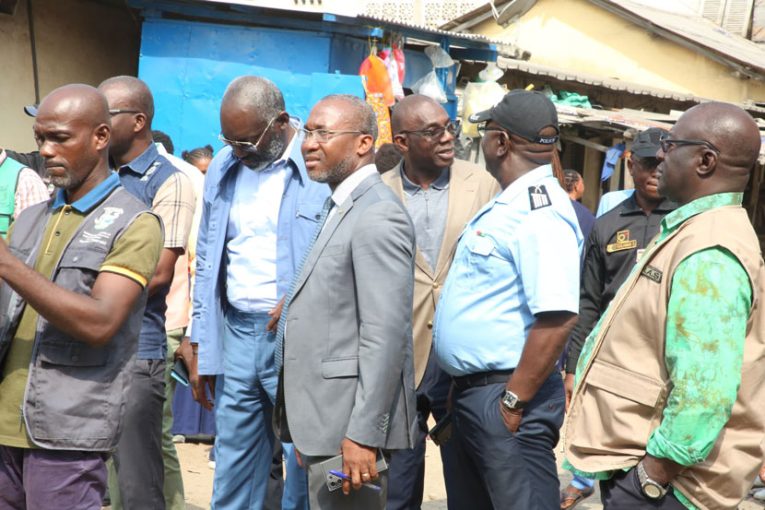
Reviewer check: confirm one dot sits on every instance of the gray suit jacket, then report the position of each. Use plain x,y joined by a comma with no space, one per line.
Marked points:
348,369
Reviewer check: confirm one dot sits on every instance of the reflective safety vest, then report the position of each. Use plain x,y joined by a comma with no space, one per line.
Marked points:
9,178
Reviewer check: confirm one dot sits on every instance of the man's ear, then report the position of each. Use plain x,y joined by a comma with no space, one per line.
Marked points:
140,122
503,144
630,167
102,134
365,145
708,163
402,142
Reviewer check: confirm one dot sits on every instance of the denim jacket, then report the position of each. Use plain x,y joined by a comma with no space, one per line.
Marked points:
302,202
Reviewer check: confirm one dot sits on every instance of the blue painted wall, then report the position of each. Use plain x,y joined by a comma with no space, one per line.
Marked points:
188,65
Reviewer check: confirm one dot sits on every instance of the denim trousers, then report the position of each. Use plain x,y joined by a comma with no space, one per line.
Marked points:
244,402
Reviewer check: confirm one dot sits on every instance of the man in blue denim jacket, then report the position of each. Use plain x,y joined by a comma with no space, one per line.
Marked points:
259,214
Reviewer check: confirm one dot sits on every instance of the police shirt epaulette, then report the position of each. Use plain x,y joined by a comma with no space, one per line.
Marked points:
538,197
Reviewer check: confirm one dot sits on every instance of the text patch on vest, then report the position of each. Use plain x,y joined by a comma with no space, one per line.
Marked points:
652,273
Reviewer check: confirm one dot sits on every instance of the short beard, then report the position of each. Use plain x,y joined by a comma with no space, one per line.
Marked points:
336,174
65,182
273,151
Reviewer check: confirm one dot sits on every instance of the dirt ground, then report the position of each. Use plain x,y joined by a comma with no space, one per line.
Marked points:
198,479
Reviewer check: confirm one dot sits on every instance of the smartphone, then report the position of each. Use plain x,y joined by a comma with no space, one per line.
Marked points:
442,431
336,463
180,373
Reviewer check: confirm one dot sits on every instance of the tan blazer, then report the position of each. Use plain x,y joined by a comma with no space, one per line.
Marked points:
470,187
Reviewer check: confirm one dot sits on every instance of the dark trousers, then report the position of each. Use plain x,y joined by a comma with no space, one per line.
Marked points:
623,492
406,477
35,479
498,470
138,460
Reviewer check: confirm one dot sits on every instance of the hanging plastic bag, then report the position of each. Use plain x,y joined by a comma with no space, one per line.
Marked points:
439,57
429,86
393,72
491,72
477,98
375,74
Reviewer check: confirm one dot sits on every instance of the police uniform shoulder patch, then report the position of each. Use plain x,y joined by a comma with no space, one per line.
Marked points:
538,197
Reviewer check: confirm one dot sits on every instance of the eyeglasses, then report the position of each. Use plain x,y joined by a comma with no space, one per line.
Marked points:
482,129
667,144
325,135
434,133
247,146
118,111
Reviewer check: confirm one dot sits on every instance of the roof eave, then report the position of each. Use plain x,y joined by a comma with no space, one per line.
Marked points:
711,53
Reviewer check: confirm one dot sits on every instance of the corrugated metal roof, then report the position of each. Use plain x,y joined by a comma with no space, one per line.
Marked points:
621,119
503,45
696,32
608,83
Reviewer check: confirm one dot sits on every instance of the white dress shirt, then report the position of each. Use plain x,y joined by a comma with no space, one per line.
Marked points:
345,188
251,235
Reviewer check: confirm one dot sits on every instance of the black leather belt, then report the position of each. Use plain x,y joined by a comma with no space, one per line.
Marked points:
481,379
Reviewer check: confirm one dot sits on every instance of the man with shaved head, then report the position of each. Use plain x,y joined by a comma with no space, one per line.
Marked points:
667,406
75,276
259,214
157,183
347,384
441,194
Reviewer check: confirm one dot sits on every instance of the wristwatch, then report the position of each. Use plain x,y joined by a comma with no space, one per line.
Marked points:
651,488
510,401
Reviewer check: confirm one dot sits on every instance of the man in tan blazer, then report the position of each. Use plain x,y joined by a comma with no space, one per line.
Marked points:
441,194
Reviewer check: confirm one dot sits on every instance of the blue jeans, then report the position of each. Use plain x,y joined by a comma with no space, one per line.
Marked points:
495,468
244,401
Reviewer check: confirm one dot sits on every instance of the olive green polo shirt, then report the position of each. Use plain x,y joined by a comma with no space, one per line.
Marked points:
134,255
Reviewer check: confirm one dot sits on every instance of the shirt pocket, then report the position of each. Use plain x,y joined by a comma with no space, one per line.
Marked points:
310,211
483,254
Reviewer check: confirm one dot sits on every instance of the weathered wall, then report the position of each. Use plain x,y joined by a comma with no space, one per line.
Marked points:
77,41
578,36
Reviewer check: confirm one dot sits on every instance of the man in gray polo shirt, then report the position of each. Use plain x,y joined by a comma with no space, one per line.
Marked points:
441,194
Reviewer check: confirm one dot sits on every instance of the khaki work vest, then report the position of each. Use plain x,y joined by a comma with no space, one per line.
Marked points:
624,385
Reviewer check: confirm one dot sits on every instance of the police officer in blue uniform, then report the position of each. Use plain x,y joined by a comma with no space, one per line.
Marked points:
507,308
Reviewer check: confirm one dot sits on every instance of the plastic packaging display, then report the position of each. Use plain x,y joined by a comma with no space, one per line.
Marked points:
430,86
477,98
439,57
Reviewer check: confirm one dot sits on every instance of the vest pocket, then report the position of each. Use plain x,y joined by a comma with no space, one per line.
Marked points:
73,354
618,411
626,384
79,269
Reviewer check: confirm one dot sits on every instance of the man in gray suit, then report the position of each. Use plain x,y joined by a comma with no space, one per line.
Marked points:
347,385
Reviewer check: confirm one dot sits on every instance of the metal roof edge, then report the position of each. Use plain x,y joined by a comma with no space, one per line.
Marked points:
681,38
610,83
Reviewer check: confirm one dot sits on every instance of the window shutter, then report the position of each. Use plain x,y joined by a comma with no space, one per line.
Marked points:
713,10
738,16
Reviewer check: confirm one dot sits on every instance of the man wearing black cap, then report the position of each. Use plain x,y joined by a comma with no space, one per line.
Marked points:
506,310
617,240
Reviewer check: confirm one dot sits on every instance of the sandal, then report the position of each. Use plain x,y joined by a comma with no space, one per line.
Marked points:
571,496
